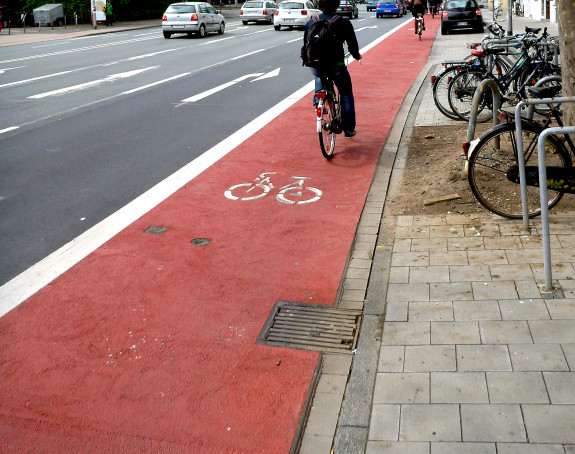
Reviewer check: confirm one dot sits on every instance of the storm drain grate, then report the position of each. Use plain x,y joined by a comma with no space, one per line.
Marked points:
311,327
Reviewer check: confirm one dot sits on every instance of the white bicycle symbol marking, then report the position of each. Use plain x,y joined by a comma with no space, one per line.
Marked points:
262,185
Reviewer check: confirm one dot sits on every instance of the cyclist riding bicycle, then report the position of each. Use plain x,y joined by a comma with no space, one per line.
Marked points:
344,32
418,7
433,6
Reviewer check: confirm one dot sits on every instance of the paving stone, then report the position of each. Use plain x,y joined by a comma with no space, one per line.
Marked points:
410,259
480,273
482,230
525,256
539,428
388,447
448,258
402,245
384,424
431,422
537,357
483,358
458,387
553,331
487,257
450,291
561,308
518,272
336,364
569,351
399,275
465,244
408,292
561,387
527,289
528,448
446,231
516,388
428,311
332,383
476,310
357,273
504,332
404,221
524,309
315,444
503,290
406,333
429,220
492,423
558,270
401,388
455,333
504,242
428,244
462,448
426,358
412,232
391,358
427,274
323,415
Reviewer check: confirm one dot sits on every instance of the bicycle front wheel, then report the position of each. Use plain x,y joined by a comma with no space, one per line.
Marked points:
326,116
496,154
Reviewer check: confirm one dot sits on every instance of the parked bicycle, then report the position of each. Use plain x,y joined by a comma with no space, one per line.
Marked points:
493,172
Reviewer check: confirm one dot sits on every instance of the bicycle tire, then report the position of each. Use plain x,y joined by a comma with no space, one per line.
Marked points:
326,108
440,91
530,75
460,95
500,15
489,164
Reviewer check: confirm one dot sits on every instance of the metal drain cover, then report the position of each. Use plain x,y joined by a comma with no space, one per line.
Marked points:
311,327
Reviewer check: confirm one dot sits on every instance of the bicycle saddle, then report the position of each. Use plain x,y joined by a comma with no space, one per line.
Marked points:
544,92
532,30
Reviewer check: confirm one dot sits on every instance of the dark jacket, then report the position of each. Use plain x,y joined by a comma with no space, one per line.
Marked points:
344,32
418,9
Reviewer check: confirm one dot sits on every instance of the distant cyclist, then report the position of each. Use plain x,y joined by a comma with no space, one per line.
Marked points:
344,32
433,6
418,7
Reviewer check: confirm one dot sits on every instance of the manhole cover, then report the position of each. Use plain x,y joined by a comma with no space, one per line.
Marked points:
311,327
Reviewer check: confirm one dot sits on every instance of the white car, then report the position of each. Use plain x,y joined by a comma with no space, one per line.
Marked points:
294,14
258,11
192,18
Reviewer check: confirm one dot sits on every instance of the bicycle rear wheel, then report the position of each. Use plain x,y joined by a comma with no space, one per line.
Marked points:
490,163
326,116
460,96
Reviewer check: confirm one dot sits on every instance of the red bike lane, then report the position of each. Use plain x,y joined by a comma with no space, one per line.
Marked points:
148,344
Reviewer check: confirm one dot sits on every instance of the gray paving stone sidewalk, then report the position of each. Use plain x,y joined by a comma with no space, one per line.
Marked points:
469,355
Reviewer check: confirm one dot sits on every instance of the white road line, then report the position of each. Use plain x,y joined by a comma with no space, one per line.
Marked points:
52,45
294,40
12,128
138,57
207,43
25,81
221,87
247,55
155,83
26,284
85,85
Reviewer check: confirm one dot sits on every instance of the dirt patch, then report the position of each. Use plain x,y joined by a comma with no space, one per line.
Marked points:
433,170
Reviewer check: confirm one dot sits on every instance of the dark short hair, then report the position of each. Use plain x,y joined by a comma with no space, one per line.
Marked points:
328,6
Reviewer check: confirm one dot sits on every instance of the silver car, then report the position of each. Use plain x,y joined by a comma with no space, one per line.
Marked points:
258,11
294,14
192,17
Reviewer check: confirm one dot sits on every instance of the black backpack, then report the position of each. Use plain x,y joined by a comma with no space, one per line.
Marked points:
321,49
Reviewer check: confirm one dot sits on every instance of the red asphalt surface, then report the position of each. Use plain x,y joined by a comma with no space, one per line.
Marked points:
148,344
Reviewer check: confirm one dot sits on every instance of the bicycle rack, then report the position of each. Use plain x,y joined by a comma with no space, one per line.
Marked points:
473,116
548,287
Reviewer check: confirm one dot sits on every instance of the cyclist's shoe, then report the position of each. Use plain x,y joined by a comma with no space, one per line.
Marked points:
349,135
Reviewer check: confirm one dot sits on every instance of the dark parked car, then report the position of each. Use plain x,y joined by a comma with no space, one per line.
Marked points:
461,14
348,8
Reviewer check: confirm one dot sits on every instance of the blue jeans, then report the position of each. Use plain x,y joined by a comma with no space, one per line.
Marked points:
342,81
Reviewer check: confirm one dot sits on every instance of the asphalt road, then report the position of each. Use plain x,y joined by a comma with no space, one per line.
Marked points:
89,124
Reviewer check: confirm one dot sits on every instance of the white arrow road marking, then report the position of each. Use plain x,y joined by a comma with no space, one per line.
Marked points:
366,28
111,78
219,88
273,73
156,83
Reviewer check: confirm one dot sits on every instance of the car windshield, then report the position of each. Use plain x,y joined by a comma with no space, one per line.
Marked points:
291,5
458,4
253,5
179,9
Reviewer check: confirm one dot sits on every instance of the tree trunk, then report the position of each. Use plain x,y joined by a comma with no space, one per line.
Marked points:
566,16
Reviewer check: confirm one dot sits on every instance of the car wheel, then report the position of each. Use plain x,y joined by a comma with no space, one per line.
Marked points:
222,28
167,35
277,27
480,29
444,30
245,22
202,31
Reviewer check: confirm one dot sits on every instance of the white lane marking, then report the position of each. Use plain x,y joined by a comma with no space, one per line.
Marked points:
3,70
92,83
207,43
274,73
247,55
138,57
155,83
221,87
27,283
366,28
25,81
12,128
295,39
